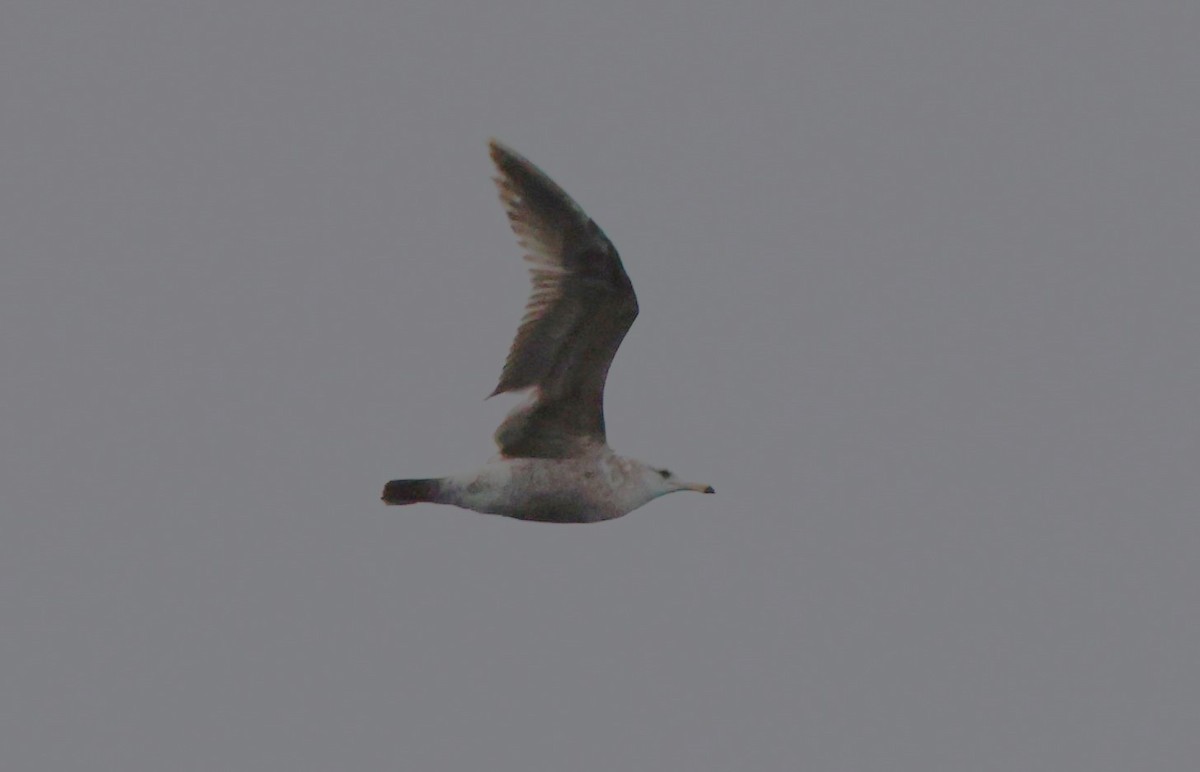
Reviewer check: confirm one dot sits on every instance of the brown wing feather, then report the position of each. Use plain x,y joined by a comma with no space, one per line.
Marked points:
580,309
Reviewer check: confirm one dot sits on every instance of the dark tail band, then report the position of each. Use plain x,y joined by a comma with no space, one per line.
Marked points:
399,492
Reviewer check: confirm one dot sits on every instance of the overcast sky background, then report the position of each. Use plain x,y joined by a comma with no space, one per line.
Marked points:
920,288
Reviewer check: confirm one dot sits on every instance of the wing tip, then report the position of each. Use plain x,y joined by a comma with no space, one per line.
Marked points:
502,153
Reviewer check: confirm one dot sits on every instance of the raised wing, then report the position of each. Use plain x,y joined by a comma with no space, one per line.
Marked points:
581,307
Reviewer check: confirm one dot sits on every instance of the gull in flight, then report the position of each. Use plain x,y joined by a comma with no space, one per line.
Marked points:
554,463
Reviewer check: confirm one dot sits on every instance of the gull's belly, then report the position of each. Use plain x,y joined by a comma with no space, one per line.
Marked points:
549,490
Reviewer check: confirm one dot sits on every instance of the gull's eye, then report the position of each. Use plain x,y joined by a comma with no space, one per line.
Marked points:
663,473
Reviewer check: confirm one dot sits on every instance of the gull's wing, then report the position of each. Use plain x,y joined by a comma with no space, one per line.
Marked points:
581,307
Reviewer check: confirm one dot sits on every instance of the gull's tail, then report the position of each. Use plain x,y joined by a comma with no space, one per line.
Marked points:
411,491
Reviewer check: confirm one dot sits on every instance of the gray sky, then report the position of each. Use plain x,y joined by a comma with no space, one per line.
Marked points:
919,287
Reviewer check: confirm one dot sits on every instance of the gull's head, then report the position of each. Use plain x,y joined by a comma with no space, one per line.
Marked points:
664,481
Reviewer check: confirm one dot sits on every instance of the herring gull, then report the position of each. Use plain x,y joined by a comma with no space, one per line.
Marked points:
554,463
